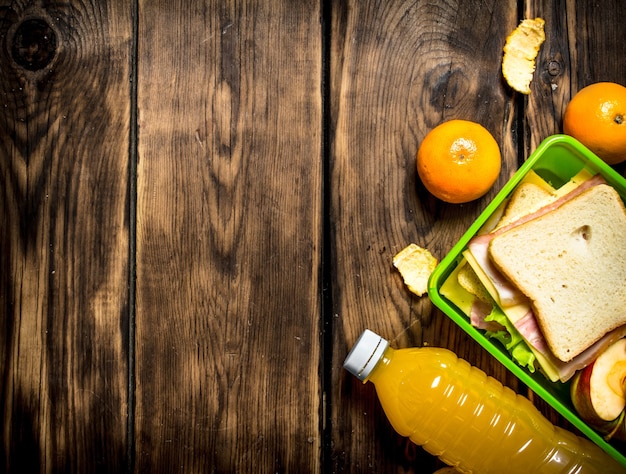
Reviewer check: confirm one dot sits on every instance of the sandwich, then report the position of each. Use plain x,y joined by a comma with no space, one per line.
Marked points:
547,278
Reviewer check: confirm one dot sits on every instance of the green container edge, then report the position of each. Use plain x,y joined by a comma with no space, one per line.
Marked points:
542,161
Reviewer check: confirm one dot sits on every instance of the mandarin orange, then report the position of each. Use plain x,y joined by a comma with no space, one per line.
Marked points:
596,117
458,161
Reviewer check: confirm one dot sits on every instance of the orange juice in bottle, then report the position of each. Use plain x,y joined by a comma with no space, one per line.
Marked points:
466,418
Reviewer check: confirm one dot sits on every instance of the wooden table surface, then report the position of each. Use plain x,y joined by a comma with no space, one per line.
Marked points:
199,206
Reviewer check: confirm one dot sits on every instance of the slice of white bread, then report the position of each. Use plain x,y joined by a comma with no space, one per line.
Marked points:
527,198
571,263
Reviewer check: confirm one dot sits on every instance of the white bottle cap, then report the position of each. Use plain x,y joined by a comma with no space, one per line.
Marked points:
365,354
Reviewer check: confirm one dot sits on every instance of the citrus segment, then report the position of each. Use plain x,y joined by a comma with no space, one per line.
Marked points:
458,161
520,50
596,117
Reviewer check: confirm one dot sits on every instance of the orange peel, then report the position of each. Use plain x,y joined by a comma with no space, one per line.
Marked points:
520,51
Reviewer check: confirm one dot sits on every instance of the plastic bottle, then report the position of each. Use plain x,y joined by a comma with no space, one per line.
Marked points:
466,418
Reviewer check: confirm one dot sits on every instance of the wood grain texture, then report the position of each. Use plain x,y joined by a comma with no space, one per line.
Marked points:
229,237
582,45
398,70
64,133
273,158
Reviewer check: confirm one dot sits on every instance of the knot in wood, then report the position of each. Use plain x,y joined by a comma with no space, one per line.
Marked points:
554,68
34,44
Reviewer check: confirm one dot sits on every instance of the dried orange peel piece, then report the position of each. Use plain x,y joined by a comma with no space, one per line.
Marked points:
520,52
415,264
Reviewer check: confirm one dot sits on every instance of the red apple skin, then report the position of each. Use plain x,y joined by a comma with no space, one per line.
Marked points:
580,393
619,431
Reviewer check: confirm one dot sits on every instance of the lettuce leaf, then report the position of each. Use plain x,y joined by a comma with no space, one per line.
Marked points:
511,339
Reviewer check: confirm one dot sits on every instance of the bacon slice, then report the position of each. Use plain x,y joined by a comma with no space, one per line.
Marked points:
479,311
507,294
530,332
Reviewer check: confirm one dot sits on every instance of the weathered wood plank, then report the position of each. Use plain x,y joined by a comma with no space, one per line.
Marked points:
584,44
399,69
64,140
229,237
230,217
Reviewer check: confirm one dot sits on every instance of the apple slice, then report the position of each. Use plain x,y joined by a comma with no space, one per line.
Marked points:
599,391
